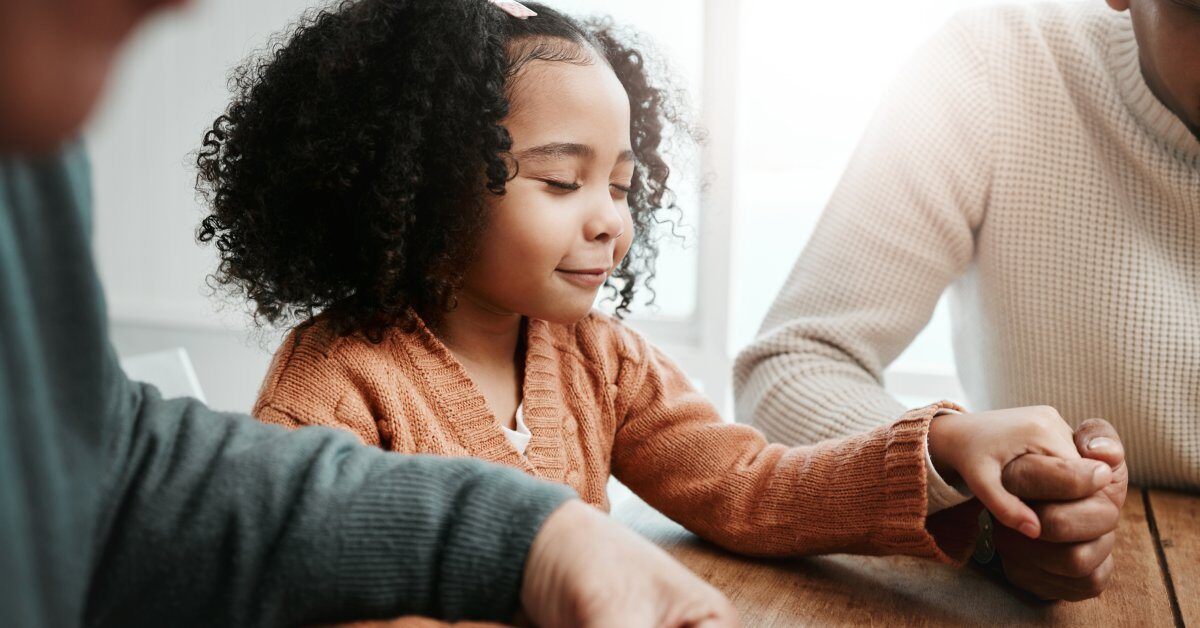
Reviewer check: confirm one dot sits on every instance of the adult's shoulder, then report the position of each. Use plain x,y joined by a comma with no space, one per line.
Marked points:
1015,31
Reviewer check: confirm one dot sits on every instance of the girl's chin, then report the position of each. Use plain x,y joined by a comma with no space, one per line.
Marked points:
566,314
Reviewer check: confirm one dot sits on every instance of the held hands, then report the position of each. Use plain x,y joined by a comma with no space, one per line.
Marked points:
978,447
585,569
1071,485
1072,560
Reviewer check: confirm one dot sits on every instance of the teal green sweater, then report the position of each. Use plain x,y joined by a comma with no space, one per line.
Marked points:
118,507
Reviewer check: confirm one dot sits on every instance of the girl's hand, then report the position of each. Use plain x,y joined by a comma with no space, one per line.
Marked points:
976,448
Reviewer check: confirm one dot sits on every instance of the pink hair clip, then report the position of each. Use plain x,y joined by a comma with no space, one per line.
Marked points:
514,8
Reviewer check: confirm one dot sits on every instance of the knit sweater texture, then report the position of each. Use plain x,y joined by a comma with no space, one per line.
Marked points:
600,400
1023,162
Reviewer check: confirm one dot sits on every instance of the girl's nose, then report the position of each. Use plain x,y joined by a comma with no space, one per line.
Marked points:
605,221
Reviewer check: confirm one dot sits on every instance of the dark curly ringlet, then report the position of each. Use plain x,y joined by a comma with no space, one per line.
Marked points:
348,175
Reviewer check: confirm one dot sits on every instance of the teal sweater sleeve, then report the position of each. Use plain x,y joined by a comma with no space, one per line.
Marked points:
120,508
221,517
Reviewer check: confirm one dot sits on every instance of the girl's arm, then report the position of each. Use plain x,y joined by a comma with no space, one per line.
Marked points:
863,494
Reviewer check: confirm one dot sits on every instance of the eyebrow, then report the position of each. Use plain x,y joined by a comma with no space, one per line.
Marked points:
566,150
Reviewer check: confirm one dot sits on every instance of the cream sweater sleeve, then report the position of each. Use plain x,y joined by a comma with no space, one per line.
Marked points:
897,231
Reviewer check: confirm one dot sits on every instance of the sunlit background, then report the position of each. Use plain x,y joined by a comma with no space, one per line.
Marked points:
784,88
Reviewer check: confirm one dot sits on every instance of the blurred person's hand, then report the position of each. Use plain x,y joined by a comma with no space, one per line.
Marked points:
1072,559
585,569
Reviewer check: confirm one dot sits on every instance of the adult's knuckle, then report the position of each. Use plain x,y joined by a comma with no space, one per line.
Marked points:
1077,478
1096,582
1109,515
1056,522
1080,561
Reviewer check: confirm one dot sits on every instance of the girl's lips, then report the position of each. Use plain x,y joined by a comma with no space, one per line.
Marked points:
589,278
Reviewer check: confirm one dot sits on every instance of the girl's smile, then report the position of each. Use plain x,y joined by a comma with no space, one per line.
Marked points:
591,278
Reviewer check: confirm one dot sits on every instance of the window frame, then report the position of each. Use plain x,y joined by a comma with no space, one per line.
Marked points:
700,342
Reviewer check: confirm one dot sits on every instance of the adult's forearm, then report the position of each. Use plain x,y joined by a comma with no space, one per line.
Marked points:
799,397
216,519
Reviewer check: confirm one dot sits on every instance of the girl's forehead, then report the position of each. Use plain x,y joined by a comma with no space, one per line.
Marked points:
554,95
557,102
548,84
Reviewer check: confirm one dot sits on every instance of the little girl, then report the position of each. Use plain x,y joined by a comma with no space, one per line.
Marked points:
436,191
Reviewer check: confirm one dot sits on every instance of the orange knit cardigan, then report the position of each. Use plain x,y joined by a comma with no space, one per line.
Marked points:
600,400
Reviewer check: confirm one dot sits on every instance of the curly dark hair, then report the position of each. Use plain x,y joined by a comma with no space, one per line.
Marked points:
348,175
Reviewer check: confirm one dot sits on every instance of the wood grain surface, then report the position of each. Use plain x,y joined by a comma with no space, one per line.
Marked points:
901,591
1178,521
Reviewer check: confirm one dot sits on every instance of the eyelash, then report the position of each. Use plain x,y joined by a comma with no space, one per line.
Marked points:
562,185
571,187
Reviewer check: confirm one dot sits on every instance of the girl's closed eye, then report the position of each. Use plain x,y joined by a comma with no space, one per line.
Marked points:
619,189
560,186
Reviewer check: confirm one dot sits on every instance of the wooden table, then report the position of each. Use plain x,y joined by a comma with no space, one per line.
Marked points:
1157,582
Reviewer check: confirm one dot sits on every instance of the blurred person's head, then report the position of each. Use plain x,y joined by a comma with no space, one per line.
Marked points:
1168,35
55,58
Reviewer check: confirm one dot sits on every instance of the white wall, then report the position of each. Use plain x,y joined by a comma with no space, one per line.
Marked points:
169,87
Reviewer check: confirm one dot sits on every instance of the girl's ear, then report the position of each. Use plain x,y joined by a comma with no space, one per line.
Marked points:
1119,5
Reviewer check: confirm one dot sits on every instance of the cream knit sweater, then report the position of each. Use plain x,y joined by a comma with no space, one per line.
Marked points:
1023,162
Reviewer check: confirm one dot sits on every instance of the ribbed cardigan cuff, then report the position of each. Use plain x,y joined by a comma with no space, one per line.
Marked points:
903,526
451,546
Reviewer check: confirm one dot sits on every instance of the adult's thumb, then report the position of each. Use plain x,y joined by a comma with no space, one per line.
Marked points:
1098,439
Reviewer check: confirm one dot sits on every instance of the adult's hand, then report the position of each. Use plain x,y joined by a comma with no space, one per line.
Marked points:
1079,504
585,569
